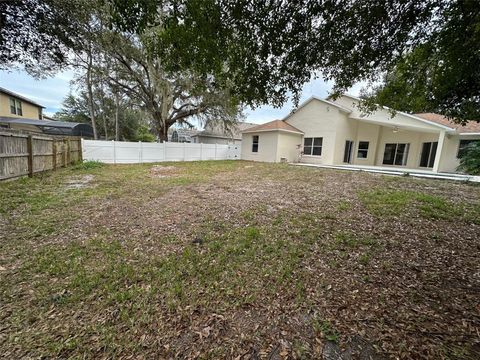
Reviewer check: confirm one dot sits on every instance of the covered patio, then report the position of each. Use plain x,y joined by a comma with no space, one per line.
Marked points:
398,172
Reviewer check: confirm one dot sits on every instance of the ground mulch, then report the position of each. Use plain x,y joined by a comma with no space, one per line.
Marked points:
239,260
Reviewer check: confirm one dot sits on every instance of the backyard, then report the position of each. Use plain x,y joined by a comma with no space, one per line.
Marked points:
232,259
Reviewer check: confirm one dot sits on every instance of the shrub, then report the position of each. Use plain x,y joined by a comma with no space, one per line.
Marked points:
88,165
470,159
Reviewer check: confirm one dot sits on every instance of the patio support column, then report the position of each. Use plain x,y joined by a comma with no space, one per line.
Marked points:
438,155
377,145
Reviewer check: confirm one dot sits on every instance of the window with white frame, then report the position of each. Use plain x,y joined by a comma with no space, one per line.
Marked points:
15,106
313,146
362,152
255,143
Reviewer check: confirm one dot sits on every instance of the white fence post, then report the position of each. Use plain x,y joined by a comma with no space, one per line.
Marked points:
184,154
201,152
215,158
164,144
141,152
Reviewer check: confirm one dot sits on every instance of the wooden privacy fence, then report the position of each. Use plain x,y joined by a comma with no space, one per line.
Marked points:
23,154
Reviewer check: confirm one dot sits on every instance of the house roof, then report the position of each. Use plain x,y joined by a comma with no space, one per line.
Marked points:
275,125
11,93
221,133
413,116
53,127
470,127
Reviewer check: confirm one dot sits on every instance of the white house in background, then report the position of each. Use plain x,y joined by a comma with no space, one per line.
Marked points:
215,133
336,132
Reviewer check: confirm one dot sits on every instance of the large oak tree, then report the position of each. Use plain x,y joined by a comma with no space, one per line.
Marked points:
264,51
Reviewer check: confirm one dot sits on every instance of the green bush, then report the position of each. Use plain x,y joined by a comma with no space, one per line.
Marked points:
88,165
470,159
143,134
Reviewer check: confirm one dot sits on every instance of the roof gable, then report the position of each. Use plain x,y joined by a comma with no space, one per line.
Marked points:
312,98
275,125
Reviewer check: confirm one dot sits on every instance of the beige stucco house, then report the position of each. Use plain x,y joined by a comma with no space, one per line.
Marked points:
336,132
19,113
18,106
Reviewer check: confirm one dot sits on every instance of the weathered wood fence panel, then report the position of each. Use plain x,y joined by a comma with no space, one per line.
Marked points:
22,154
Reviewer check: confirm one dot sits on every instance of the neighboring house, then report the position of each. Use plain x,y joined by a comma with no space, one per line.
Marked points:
18,106
19,113
337,133
215,133
181,135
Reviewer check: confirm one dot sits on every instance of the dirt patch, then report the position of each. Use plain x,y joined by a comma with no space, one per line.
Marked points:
79,182
241,260
160,171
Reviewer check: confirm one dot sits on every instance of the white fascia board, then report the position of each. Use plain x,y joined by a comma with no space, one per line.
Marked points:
270,130
408,115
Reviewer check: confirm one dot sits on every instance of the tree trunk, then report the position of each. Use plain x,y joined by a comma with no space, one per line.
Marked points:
90,99
117,127
105,128
104,116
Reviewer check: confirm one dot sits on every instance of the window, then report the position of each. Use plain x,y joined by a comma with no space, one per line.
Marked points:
255,143
396,154
362,152
312,146
15,106
429,150
463,144
40,114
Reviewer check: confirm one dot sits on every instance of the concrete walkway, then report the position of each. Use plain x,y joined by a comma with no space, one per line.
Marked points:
398,172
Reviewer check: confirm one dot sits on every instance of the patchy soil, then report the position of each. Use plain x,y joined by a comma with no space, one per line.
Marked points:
160,171
239,260
78,182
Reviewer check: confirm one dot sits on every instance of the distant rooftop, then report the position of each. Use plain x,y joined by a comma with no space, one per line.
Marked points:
52,127
218,131
21,97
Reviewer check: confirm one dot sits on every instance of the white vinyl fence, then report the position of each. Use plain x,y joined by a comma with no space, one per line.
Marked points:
122,152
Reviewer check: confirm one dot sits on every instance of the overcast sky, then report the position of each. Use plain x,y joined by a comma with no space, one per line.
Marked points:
51,92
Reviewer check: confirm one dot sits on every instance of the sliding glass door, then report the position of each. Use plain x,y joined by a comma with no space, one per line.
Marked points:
347,155
429,150
396,154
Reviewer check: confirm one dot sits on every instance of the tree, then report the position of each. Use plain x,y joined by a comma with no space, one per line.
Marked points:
74,109
442,74
470,159
133,123
264,51
38,34
169,97
269,49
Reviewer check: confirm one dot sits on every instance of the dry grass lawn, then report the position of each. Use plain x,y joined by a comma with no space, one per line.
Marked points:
240,260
